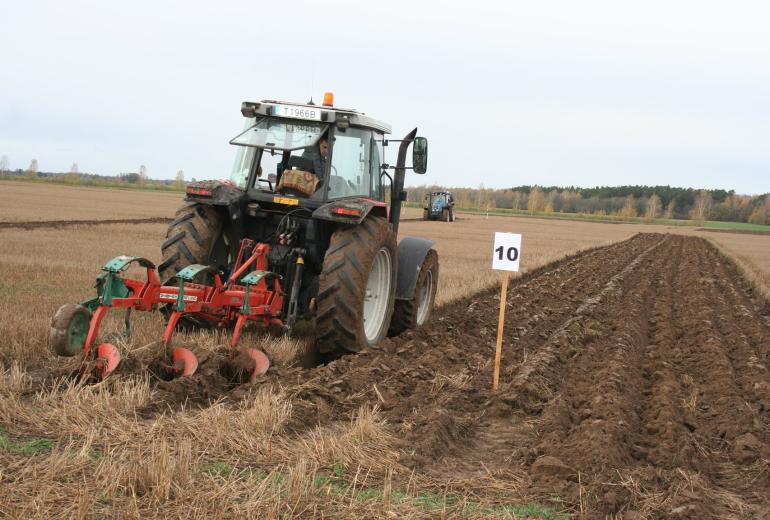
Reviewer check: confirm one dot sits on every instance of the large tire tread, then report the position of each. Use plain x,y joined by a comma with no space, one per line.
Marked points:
342,286
189,239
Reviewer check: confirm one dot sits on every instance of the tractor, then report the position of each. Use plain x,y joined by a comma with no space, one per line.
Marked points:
302,232
439,205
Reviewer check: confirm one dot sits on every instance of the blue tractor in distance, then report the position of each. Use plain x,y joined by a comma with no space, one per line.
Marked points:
439,205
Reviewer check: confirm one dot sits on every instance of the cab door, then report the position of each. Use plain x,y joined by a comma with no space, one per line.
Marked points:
350,169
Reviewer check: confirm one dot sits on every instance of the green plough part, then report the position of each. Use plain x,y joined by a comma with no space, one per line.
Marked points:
109,286
254,277
91,304
250,279
191,271
120,263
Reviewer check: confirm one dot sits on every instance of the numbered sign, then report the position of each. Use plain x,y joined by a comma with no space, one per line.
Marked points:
507,251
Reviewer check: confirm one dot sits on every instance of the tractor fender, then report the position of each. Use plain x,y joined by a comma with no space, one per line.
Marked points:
215,193
411,254
224,196
351,211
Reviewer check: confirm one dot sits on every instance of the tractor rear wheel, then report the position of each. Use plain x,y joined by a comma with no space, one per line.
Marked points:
410,314
197,235
357,287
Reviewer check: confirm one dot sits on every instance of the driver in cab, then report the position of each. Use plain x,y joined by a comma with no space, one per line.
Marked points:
318,156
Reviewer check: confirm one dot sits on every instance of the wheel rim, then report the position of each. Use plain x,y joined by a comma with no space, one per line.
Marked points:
77,332
426,291
377,294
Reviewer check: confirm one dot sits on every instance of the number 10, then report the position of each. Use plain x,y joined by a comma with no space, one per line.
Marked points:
512,253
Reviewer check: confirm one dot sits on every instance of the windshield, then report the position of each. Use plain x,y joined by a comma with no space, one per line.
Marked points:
280,134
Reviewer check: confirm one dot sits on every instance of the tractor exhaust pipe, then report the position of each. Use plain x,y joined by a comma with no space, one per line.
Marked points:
397,195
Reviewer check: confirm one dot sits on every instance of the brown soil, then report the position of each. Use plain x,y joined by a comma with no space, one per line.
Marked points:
635,380
71,223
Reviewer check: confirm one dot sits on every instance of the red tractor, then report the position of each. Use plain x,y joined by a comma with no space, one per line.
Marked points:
301,232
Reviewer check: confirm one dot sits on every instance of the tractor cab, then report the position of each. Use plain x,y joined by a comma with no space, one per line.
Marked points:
316,153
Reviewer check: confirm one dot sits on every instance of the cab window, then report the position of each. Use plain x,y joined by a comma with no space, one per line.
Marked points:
350,171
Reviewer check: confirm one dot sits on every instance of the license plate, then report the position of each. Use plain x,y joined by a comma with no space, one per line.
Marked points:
297,112
286,200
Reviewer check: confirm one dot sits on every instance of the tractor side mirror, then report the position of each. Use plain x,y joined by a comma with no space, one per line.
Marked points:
420,155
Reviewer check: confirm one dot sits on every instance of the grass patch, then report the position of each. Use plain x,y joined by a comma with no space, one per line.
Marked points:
28,447
225,470
332,482
508,510
740,226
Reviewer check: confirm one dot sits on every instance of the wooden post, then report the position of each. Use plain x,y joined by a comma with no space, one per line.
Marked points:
500,323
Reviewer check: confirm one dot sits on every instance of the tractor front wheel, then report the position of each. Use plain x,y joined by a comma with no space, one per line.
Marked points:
410,314
357,287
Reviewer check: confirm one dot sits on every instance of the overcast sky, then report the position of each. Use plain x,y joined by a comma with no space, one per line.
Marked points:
508,93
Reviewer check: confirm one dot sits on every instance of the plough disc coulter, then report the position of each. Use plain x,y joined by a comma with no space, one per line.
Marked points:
250,293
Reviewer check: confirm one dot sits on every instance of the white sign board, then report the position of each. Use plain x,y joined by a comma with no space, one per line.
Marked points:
507,251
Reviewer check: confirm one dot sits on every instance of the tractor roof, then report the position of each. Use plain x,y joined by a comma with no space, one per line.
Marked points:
328,114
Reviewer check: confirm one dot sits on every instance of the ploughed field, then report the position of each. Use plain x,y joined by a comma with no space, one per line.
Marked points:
634,381
634,378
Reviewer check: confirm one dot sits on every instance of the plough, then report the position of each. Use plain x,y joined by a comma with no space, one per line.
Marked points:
250,293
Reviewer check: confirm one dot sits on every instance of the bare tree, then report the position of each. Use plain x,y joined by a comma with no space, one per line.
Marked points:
653,207
74,174
629,208
702,207
32,169
179,183
142,174
535,202
761,214
3,164
550,201
481,199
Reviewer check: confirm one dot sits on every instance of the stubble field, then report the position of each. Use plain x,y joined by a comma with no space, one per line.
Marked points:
634,384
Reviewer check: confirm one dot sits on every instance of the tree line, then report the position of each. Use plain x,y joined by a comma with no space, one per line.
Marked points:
630,202
75,176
